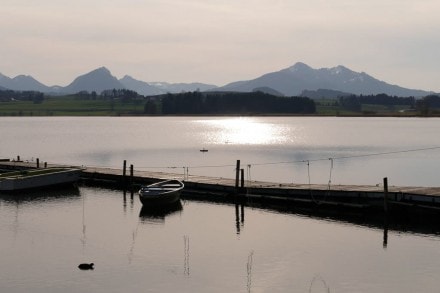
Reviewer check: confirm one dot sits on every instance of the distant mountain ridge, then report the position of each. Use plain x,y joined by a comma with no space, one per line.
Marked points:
97,80
159,88
300,77
292,81
22,83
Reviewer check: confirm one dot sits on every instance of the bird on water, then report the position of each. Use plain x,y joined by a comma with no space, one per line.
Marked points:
86,266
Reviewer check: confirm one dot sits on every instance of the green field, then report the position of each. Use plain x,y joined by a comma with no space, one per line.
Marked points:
327,107
70,106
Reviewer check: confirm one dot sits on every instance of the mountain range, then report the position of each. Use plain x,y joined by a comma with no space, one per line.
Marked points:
293,81
299,79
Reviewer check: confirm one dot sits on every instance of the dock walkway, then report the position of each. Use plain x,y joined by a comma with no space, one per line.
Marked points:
211,187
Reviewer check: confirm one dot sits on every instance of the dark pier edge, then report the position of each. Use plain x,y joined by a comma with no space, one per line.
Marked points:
371,204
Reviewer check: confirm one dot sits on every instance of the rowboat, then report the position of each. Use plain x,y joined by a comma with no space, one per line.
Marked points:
38,178
161,193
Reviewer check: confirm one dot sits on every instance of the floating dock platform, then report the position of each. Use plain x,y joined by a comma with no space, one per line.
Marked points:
360,197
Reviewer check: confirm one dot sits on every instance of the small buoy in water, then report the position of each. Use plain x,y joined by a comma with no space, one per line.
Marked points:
86,266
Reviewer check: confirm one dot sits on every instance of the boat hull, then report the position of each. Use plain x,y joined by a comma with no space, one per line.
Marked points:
162,193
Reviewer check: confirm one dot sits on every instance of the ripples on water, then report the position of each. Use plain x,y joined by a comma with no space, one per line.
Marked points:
207,247
203,247
270,148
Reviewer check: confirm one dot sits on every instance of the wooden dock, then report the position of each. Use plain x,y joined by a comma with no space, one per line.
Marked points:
216,188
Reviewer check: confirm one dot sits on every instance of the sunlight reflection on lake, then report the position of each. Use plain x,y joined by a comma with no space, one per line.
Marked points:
244,131
275,147
212,247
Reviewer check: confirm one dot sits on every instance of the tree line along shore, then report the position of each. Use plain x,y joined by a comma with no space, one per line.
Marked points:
129,103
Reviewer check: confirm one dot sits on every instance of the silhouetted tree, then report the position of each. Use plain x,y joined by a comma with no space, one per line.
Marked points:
235,103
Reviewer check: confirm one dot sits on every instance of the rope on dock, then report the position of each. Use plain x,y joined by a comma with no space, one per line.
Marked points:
348,157
332,159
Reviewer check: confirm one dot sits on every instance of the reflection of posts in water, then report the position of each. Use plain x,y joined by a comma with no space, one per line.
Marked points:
239,217
125,201
83,240
186,255
131,198
385,232
249,271
385,208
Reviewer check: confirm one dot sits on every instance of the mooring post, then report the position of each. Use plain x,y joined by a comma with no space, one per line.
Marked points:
124,173
385,194
237,174
242,178
45,164
18,158
131,182
131,174
38,163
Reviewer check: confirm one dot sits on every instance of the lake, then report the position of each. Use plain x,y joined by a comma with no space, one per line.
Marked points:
217,247
270,148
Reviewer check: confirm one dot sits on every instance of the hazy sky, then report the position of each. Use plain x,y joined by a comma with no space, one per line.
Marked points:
220,41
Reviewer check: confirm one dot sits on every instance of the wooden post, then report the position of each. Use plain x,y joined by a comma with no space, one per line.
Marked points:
131,181
237,174
242,178
385,194
124,174
38,163
18,158
45,164
131,174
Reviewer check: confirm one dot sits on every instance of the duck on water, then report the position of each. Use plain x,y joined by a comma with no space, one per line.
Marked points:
86,266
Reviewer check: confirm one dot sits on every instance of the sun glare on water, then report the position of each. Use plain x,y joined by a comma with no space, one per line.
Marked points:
243,131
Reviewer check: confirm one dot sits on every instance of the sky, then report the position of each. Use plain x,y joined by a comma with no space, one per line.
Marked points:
220,41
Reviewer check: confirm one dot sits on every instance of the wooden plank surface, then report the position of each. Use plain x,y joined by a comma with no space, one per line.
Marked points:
228,182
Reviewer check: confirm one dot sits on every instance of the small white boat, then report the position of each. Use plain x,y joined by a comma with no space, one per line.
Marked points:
38,178
161,193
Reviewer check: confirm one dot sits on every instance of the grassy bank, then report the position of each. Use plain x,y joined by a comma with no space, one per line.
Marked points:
70,106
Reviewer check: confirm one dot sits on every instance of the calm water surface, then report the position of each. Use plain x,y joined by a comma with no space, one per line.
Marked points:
199,247
270,148
207,247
